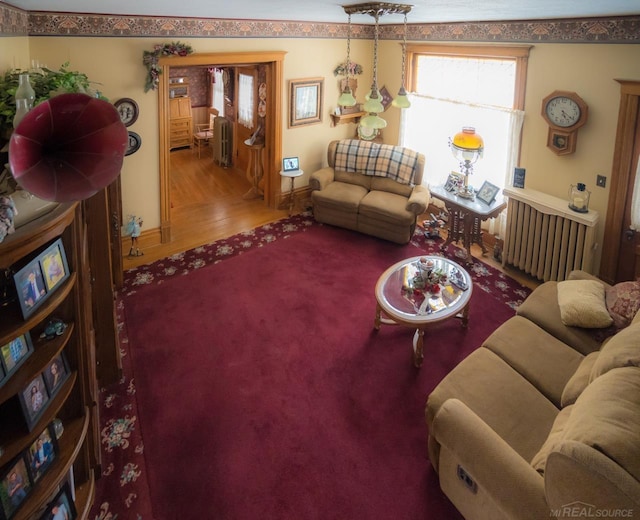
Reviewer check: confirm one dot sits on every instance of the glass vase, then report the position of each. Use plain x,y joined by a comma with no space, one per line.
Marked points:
22,107
25,90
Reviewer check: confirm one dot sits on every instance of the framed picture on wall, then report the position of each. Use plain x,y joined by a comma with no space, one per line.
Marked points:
305,101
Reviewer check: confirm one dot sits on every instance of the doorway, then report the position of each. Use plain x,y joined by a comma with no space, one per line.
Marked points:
273,65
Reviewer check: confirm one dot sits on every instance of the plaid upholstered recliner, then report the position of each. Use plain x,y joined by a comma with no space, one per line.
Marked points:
372,188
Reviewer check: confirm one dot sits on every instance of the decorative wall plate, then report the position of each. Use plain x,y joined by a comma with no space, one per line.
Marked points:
135,141
128,110
262,91
367,133
262,108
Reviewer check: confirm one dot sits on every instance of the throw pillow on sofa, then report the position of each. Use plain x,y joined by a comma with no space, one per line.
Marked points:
623,302
582,304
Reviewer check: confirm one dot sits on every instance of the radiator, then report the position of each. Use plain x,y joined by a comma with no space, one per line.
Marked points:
222,141
546,239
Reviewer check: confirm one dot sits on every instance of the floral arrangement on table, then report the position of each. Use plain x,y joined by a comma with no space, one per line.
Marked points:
150,60
427,278
351,67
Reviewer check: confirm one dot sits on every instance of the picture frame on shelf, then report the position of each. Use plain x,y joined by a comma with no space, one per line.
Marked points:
305,101
56,373
34,400
454,181
41,454
15,486
62,505
30,286
14,353
53,262
487,192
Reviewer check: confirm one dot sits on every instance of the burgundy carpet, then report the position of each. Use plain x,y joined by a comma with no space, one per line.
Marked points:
263,391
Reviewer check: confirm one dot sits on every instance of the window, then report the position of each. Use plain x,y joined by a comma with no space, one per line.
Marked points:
217,89
246,88
457,86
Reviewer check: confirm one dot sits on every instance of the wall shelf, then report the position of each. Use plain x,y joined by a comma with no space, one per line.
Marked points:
346,118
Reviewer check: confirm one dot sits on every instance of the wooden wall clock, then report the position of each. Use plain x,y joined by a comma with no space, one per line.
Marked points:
565,112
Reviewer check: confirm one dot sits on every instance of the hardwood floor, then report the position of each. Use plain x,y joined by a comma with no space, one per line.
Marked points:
207,204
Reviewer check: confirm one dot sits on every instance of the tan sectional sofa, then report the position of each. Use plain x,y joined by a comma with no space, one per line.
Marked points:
372,188
542,421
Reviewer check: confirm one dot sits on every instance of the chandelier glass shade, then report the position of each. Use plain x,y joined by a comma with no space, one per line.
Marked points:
346,98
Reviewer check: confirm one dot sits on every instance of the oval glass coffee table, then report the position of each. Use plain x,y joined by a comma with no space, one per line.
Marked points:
403,301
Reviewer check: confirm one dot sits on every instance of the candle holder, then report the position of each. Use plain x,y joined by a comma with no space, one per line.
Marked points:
579,198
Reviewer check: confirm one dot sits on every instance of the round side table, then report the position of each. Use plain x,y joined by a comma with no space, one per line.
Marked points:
292,174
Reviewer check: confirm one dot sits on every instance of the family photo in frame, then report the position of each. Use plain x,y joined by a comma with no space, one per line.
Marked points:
62,506
41,454
56,373
42,275
14,353
34,400
454,181
15,486
487,192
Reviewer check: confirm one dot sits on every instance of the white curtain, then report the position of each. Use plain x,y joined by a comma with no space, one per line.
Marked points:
217,91
245,100
635,201
429,124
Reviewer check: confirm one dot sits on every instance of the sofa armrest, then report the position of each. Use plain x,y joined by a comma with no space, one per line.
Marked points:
320,179
498,470
418,200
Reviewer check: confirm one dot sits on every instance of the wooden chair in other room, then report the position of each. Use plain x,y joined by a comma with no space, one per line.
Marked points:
204,132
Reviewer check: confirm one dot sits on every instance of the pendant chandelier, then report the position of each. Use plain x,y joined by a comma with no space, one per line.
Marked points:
373,104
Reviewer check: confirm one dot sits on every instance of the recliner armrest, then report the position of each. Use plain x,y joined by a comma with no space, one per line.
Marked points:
320,179
497,469
419,200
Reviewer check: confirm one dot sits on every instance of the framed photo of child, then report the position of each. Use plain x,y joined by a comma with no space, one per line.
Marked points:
54,265
62,506
30,287
34,400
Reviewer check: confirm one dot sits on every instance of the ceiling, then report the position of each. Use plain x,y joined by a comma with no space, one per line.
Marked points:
424,11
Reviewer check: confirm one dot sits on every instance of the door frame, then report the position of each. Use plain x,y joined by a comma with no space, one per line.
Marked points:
274,65
622,177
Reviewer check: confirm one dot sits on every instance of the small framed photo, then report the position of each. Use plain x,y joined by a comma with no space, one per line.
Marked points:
305,101
14,487
41,454
487,192
454,181
54,265
34,400
386,97
14,353
56,373
31,287
62,506
290,164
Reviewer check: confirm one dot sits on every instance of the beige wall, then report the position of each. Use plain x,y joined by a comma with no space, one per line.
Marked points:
588,69
116,63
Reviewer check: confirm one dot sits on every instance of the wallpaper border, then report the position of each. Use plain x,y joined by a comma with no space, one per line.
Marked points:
16,22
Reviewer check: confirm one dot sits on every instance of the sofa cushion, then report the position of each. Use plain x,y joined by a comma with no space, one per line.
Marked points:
383,184
343,196
541,307
389,207
582,304
539,461
622,350
353,178
579,380
543,360
501,397
605,417
623,302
